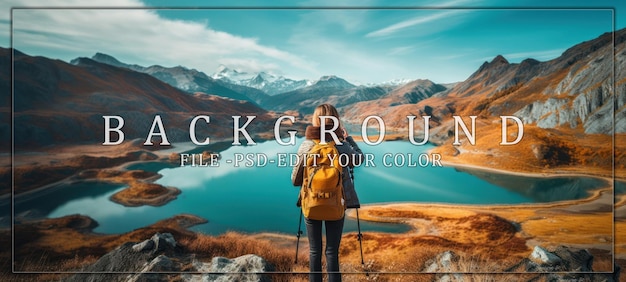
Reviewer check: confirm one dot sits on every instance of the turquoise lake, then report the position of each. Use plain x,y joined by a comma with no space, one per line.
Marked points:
259,199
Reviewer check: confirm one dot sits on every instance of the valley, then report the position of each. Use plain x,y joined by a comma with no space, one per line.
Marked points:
569,121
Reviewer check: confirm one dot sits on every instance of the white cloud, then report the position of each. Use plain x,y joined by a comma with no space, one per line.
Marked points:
397,27
355,63
141,36
339,54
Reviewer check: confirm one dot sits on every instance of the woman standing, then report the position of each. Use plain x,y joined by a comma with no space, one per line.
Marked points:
334,228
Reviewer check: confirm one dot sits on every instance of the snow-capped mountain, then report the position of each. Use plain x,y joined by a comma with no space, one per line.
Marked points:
230,75
266,82
393,82
188,80
327,89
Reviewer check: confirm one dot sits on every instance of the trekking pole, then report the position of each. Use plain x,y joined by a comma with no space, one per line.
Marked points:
358,226
298,235
360,238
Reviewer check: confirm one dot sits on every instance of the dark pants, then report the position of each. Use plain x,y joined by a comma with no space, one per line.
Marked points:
334,229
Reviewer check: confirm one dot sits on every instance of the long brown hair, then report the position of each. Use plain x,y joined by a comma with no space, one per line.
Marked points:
324,110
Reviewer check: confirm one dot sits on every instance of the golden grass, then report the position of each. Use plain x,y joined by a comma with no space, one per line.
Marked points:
234,244
565,151
487,232
482,237
70,236
572,229
66,244
141,193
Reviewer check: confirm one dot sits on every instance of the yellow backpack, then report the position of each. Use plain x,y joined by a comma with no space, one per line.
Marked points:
322,184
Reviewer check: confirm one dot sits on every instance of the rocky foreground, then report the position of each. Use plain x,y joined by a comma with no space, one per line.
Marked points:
168,251
161,258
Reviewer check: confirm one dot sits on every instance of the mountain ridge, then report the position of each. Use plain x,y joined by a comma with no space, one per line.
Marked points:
573,90
327,89
59,103
406,94
266,82
188,80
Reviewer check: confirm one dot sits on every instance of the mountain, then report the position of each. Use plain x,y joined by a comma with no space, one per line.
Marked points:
110,60
392,83
328,89
266,82
59,103
386,106
273,85
256,95
412,92
188,80
230,75
574,91
332,82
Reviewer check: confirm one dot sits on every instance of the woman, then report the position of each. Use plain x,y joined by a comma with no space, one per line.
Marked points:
334,228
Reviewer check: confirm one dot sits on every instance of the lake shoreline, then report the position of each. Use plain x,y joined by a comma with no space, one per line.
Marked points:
427,224
164,155
550,174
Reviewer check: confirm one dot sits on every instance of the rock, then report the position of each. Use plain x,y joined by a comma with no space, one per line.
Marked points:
246,263
563,264
444,263
601,121
575,259
446,259
160,264
163,241
542,256
151,271
122,259
161,259
158,242
145,245
244,268
562,259
152,255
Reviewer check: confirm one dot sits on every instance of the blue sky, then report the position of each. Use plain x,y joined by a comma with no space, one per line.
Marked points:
360,45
